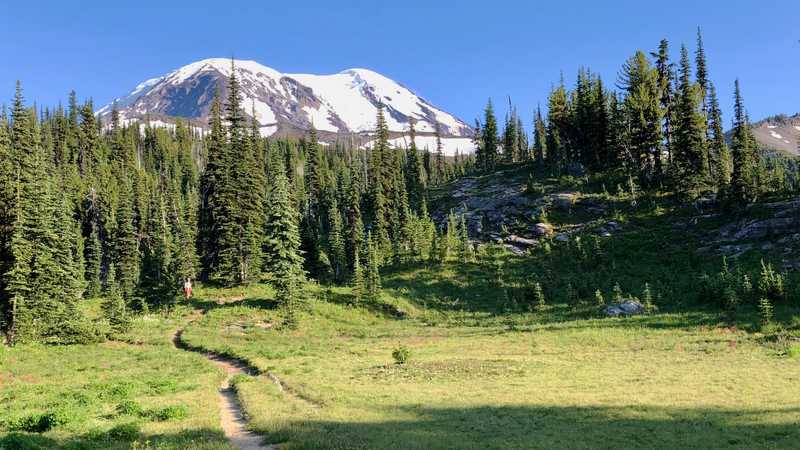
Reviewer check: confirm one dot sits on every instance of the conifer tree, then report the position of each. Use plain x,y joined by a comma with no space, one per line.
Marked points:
465,246
665,68
336,246
539,137
373,277
718,147
557,127
355,225
114,308
441,171
357,282
381,185
414,171
538,296
159,283
744,187
643,114
126,244
489,139
702,70
282,243
690,159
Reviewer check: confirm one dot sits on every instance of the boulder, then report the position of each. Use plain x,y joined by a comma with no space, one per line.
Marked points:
626,308
515,250
564,200
520,241
543,229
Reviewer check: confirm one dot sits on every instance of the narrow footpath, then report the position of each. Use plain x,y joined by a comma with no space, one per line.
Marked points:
234,424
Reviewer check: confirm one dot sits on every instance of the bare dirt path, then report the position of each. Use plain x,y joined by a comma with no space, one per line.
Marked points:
234,425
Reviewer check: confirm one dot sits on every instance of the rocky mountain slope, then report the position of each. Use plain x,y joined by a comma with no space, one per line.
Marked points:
779,133
342,103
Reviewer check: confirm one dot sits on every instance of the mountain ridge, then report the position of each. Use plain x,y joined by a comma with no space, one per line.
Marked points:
342,103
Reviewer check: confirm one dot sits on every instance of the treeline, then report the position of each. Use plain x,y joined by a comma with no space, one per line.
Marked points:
127,212
661,125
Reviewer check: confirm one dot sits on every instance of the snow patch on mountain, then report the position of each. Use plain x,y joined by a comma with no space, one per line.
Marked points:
450,145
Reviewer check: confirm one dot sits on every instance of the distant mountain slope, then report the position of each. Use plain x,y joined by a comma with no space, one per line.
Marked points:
342,103
779,133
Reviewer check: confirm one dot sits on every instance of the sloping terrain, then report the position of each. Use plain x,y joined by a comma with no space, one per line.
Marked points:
779,133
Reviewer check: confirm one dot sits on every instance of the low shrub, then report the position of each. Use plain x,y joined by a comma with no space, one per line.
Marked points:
401,354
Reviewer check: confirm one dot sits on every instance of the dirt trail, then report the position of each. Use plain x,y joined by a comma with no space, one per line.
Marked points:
234,424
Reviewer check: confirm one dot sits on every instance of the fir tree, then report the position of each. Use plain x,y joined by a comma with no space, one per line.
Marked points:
538,297
373,277
114,308
744,187
357,282
690,159
489,139
539,137
336,245
126,244
283,247
414,171
718,147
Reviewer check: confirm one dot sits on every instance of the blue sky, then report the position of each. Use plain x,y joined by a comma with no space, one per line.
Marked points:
456,54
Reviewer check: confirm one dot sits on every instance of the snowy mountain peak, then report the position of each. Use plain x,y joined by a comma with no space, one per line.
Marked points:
345,102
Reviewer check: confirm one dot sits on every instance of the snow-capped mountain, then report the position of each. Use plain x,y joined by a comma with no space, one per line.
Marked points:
345,102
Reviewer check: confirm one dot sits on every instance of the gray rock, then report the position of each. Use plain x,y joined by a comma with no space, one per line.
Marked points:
564,200
626,308
562,237
515,250
543,229
520,241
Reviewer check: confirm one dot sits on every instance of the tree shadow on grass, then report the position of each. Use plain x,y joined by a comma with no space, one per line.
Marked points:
554,427
118,438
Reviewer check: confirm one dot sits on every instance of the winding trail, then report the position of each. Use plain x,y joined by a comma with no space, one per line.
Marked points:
234,425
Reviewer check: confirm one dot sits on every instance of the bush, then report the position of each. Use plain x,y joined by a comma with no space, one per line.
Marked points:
39,423
124,432
129,408
401,354
80,331
173,412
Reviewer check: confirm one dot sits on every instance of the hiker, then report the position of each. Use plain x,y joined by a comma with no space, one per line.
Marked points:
187,289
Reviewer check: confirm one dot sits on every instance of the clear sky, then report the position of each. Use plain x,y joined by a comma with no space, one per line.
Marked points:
456,54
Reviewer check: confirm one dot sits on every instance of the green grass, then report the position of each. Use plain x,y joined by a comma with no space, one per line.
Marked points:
111,395
678,380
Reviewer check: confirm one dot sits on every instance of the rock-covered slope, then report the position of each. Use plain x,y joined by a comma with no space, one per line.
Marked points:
342,103
779,133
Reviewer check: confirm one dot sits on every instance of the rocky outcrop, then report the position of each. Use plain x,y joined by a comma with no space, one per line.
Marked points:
626,308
